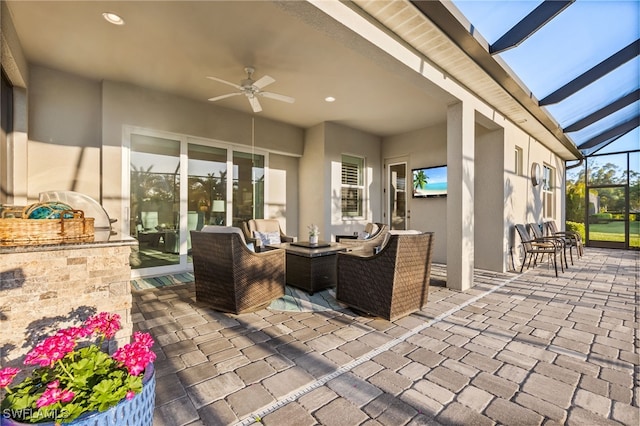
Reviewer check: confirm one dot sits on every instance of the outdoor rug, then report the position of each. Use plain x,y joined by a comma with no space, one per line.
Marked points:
161,281
294,300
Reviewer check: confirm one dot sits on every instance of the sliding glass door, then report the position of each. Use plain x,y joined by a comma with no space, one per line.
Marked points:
207,192
248,187
155,200
181,184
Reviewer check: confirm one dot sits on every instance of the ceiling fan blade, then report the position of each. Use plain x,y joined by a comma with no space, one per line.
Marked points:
255,105
225,82
263,81
277,97
217,98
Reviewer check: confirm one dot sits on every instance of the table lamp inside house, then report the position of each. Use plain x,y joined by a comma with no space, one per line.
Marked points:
218,209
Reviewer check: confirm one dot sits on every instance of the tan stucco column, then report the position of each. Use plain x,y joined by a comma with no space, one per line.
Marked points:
460,177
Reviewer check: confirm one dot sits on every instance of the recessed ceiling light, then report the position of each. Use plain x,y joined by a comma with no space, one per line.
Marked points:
330,99
112,18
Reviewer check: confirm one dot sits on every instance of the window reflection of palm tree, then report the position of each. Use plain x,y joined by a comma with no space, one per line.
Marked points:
148,187
203,190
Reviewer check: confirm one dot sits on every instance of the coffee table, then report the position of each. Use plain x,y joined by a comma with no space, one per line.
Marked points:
311,268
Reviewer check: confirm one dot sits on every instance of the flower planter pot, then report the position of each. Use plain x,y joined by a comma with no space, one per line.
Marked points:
134,412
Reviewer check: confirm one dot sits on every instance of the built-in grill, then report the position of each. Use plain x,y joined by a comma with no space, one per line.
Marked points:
88,205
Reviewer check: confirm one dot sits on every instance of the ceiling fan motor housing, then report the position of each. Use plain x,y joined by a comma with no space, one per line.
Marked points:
247,84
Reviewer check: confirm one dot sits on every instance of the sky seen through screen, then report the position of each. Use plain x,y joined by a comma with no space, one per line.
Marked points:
578,38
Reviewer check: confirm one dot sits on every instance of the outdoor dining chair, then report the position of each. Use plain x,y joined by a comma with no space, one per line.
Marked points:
536,231
572,239
534,247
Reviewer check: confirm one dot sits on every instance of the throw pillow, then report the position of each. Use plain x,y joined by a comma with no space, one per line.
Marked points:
267,237
363,235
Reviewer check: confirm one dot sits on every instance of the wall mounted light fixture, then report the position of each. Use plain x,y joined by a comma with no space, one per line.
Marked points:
536,174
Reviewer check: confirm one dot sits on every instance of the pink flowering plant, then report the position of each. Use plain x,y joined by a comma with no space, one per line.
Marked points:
73,375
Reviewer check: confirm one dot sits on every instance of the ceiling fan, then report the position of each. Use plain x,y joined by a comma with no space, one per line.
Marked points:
252,89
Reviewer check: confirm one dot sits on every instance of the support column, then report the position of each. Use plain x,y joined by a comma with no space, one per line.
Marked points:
460,177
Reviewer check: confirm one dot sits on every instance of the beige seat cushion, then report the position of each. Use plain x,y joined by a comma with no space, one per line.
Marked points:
264,225
371,228
227,230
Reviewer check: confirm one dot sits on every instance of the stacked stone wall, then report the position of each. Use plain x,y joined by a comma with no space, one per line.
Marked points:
43,291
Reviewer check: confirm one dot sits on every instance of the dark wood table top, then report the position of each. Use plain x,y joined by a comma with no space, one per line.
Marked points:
322,250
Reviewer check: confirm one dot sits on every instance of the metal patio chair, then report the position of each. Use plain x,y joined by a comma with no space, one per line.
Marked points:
572,239
536,231
534,247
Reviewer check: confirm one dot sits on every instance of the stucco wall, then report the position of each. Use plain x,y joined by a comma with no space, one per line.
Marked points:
282,193
321,178
496,186
490,195
523,201
64,133
313,181
423,148
341,140
126,105
13,179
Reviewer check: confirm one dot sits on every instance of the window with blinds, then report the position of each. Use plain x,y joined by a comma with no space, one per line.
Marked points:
548,191
518,161
352,194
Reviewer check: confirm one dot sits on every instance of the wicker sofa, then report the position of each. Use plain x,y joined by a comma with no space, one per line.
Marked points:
229,276
392,283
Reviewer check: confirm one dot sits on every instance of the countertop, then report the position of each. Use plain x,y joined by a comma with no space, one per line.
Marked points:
102,238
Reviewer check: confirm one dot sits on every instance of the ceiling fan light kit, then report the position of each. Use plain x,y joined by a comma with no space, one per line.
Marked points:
252,89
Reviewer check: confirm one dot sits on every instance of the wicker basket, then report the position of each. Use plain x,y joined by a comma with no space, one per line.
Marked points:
26,231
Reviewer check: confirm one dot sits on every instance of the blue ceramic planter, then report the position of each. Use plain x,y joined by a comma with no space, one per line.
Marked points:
134,412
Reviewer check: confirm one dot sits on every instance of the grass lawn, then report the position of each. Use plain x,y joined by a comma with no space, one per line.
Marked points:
614,231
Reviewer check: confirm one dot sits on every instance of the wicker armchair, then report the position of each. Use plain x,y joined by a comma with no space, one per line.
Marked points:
392,283
371,244
263,225
229,276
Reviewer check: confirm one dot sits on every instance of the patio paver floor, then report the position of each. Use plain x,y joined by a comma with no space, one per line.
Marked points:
515,349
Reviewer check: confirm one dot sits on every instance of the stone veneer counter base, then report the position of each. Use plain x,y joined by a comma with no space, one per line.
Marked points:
47,287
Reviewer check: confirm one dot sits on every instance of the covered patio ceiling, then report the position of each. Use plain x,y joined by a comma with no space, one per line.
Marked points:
172,46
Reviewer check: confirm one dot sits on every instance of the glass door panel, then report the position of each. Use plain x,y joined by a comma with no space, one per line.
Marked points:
607,221
398,196
248,187
634,200
155,200
207,191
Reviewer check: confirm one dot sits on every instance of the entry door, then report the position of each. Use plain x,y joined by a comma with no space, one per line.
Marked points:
398,217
